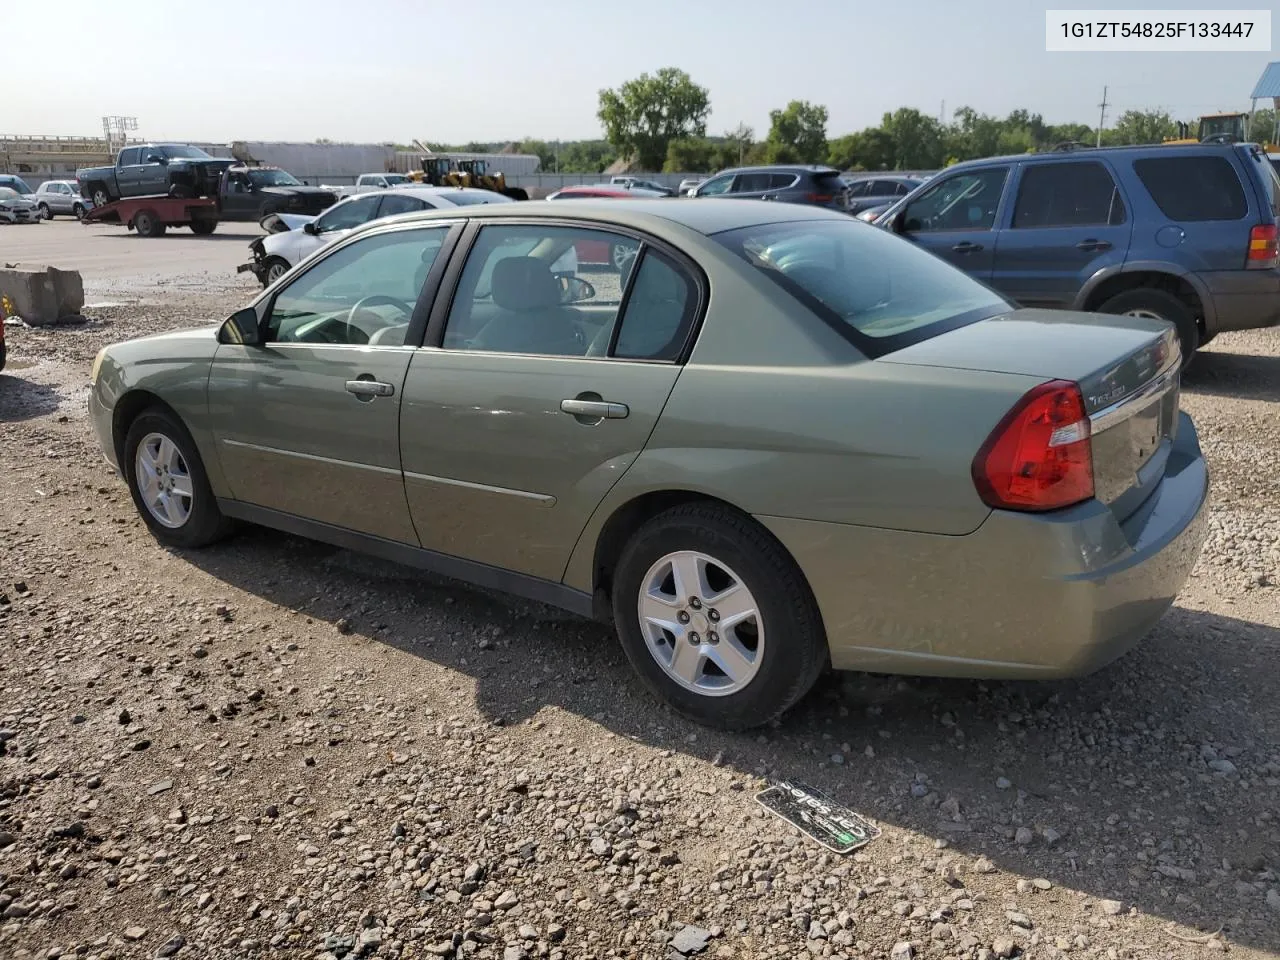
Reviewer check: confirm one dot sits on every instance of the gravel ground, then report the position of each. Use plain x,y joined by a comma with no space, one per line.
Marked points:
277,748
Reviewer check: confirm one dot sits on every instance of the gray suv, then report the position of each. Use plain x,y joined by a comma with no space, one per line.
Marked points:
1183,233
790,183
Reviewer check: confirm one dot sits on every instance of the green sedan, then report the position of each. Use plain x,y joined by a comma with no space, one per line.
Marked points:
775,439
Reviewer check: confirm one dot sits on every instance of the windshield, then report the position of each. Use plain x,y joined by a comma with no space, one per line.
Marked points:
8,193
394,178
881,292
273,178
461,199
184,153
17,185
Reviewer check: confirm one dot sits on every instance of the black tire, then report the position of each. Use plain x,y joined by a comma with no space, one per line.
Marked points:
45,211
148,224
1151,302
205,523
272,265
795,648
77,211
204,227
99,195
3,353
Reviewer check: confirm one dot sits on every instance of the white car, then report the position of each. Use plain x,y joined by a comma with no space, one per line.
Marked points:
275,254
15,208
368,182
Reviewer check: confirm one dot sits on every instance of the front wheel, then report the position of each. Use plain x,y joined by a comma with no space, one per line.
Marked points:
202,228
78,211
168,482
717,618
148,224
277,267
45,212
1156,304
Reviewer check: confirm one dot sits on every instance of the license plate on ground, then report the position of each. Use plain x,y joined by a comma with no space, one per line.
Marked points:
831,824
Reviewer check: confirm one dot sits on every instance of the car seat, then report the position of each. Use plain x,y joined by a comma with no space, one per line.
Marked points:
531,318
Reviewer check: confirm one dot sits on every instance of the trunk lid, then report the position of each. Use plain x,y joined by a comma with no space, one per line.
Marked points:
1126,368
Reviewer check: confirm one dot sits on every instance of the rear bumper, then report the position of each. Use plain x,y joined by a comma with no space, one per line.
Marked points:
1244,299
1024,596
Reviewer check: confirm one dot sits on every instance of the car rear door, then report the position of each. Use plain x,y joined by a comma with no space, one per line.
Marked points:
307,424
1069,221
955,217
523,411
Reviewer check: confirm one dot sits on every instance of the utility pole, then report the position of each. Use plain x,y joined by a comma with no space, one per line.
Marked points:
942,114
1102,115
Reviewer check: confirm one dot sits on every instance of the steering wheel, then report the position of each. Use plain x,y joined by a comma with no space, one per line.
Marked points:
374,300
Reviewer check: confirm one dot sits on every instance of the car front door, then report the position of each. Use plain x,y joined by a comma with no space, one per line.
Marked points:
129,172
956,216
715,187
308,423
1068,223
238,199
153,172
536,397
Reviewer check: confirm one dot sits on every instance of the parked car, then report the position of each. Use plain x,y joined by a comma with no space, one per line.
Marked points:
15,208
878,190
154,170
16,184
819,186
368,182
688,184
1181,233
616,255
801,440
251,193
60,196
642,184
275,254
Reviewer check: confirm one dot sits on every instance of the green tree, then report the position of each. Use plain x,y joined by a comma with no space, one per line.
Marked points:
797,134
644,115
917,139
586,156
737,145
869,149
691,155
1144,126
545,153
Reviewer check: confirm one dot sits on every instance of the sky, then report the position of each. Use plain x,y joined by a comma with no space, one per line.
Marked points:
395,70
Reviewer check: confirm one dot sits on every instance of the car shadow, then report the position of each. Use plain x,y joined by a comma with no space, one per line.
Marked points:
1109,771
186,234
23,399
1242,375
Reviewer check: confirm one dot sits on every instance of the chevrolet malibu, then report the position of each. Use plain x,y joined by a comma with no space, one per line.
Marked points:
779,439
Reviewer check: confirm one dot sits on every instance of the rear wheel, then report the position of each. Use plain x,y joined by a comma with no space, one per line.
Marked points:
716,617
276,268
100,196
1159,305
148,224
168,482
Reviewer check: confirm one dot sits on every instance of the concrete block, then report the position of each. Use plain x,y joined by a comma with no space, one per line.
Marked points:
42,295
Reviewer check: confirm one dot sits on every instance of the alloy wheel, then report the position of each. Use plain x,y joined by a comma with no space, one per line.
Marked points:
701,623
163,480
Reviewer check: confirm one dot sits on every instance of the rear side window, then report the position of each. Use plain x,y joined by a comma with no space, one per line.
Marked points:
1067,195
660,310
1193,188
1269,171
753,182
879,291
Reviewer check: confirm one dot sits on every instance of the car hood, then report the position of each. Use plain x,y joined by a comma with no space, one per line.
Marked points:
19,201
284,222
176,338
299,191
1108,356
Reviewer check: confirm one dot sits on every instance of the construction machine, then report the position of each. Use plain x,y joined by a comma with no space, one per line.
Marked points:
478,175
1222,128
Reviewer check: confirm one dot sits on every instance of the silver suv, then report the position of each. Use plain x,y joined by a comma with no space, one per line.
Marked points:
790,183
59,196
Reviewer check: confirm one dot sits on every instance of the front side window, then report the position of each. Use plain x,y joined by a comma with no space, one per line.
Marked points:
715,187
1072,194
346,215
521,291
878,290
966,201
1190,189
860,188
362,294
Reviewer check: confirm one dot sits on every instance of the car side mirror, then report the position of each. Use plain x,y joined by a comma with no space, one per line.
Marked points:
311,228
575,289
241,328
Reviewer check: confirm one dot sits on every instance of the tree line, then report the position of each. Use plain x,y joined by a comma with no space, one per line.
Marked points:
659,122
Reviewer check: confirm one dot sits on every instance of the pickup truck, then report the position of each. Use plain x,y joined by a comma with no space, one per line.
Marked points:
368,182
251,193
154,169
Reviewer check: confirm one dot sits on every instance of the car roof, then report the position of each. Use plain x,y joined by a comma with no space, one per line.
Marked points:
782,168
1151,149
607,190
702,216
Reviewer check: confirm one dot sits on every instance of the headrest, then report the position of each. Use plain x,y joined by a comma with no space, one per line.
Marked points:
524,283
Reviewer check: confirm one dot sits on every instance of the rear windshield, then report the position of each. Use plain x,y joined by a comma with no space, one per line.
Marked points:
467,199
878,290
1193,188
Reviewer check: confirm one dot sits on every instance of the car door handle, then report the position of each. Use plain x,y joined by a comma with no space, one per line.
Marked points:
370,388
965,246
599,409
1091,245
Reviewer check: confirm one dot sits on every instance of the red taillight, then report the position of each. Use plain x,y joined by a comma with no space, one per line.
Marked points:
1264,247
1040,456
820,197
